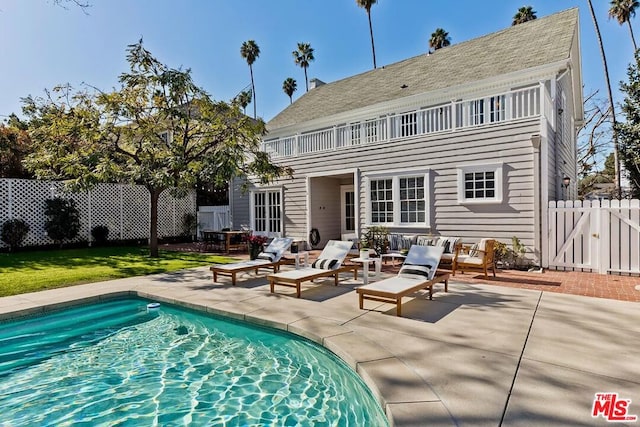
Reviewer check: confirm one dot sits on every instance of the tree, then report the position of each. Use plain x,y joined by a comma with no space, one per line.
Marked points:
611,104
159,130
15,144
244,99
366,4
629,131
623,10
524,14
302,57
439,39
250,51
289,86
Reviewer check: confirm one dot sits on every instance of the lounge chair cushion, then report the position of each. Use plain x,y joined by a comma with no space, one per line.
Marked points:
466,259
326,263
415,271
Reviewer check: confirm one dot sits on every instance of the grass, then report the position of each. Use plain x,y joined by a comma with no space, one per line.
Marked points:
24,272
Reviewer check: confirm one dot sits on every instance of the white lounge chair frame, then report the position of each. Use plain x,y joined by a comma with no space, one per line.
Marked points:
277,246
293,279
392,290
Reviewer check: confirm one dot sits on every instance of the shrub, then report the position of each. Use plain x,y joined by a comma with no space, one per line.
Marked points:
100,233
189,224
13,233
63,219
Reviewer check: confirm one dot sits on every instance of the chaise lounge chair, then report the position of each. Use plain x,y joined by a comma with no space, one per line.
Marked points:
270,257
328,264
419,271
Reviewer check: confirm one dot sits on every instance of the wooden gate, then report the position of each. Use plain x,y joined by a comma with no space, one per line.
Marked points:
213,218
599,236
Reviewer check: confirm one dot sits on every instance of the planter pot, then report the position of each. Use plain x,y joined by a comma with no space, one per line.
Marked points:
254,251
364,253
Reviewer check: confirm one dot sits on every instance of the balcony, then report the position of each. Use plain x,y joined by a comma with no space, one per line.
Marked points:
513,105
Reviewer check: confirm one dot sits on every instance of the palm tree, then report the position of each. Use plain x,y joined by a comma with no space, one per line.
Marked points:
289,86
611,104
439,39
250,51
623,10
302,57
525,14
366,4
243,99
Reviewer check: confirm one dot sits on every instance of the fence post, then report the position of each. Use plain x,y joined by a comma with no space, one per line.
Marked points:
604,236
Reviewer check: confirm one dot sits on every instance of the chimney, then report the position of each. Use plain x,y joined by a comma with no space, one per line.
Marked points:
314,83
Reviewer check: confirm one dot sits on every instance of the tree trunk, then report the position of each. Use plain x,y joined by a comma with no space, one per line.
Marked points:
306,80
253,92
373,49
611,103
153,228
633,39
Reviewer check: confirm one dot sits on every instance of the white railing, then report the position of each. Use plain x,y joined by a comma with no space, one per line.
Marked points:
514,105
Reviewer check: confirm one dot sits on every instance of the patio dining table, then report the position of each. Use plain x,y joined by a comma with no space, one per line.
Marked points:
231,239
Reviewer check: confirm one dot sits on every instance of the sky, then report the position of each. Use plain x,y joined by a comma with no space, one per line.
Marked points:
43,45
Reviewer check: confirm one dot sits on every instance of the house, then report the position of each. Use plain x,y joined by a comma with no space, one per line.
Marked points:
472,140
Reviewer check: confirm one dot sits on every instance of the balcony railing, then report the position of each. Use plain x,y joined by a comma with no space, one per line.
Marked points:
449,117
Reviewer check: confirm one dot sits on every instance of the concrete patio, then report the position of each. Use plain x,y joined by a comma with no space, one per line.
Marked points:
477,355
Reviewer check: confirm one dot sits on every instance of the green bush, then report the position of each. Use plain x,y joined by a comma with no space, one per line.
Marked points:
100,233
63,219
13,233
189,224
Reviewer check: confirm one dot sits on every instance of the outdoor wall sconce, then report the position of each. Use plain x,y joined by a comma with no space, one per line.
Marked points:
566,181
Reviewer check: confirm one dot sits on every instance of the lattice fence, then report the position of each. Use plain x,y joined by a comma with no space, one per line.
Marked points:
124,209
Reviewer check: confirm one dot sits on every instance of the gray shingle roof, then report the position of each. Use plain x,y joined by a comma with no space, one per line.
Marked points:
520,47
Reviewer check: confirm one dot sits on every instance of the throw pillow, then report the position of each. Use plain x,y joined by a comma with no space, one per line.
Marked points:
269,256
416,271
473,252
326,264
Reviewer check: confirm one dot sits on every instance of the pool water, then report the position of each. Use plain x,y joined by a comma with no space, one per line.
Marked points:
116,363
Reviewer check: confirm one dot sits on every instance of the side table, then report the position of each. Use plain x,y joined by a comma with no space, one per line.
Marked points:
377,262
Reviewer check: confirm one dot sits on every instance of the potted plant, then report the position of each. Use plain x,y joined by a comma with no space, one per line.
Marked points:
364,247
255,243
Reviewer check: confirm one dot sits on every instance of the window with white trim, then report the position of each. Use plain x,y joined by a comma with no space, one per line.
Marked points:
412,201
267,211
480,183
476,111
497,108
381,191
409,124
398,200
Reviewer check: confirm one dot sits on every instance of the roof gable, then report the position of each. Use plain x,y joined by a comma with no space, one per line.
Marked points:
520,47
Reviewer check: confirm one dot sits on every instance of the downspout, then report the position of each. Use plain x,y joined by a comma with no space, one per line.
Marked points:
537,202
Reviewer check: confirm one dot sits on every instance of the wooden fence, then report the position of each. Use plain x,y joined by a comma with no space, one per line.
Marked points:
598,236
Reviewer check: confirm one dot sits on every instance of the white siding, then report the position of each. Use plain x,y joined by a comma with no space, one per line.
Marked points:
507,143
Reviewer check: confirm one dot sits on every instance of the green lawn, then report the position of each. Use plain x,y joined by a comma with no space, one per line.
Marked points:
35,271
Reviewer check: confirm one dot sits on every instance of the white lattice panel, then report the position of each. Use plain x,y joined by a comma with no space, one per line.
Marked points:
122,208
106,203
135,212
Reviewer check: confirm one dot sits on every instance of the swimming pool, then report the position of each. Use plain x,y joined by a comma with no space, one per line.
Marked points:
117,363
